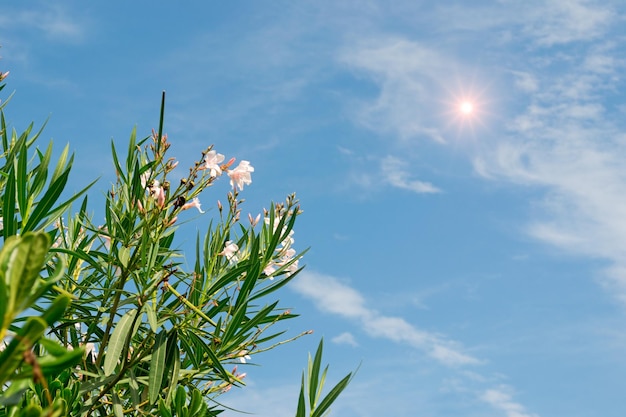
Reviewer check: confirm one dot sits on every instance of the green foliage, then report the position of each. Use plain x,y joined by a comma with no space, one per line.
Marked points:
102,319
313,385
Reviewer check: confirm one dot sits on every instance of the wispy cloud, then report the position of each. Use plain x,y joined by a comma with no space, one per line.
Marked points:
262,399
526,81
54,21
565,21
345,338
501,400
570,142
334,297
409,75
395,173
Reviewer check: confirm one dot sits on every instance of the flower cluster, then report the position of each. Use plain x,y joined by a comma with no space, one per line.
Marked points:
238,176
212,163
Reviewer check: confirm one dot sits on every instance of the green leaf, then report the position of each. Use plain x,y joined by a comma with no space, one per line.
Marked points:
53,366
179,400
11,356
314,371
24,265
41,172
157,366
118,410
53,347
56,310
234,325
195,405
21,182
60,163
332,396
3,131
8,206
215,362
47,200
4,300
164,410
301,412
174,364
124,256
151,315
116,162
118,341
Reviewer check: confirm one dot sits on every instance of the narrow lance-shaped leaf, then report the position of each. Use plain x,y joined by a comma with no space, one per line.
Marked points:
117,341
151,315
174,355
21,182
4,300
301,411
314,370
47,201
41,172
60,163
118,410
331,396
157,366
8,207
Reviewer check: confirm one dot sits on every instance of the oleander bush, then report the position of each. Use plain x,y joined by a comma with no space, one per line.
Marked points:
103,319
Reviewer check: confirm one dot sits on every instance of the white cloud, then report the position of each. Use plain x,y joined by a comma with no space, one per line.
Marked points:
566,21
570,144
501,400
395,173
332,296
52,20
345,338
410,76
525,81
263,400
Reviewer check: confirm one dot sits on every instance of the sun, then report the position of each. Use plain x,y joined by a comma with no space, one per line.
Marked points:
466,107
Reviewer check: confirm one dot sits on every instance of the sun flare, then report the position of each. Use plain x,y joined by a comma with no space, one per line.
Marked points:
467,108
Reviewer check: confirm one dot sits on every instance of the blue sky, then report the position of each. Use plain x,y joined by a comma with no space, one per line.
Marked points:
474,265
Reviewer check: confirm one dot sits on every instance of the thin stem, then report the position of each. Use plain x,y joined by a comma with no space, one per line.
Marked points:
189,304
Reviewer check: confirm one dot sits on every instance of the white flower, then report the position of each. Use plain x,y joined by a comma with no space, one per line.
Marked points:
156,191
243,356
90,349
277,218
193,203
241,175
270,269
212,161
230,252
288,241
292,268
288,255
145,177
